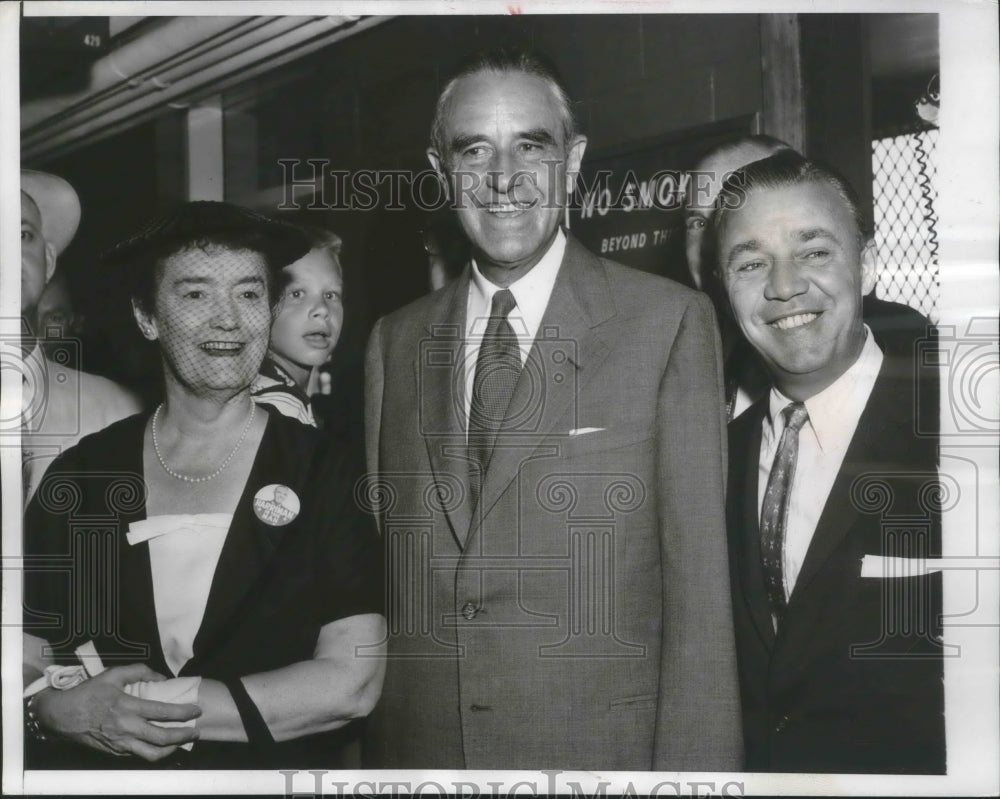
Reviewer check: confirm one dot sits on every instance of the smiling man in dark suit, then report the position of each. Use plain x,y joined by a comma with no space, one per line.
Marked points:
547,434
832,478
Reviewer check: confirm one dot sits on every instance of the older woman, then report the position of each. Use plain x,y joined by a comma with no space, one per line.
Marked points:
252,632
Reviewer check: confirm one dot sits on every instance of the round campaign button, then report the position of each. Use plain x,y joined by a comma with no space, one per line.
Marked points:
276,504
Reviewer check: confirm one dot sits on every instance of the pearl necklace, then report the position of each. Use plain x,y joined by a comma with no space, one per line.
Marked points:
222,466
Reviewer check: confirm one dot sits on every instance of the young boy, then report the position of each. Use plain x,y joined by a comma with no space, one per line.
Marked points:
307,322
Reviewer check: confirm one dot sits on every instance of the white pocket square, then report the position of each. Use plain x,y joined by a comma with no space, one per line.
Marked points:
582,431
881,566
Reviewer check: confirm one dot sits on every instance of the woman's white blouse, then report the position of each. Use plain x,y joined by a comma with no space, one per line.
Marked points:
184,550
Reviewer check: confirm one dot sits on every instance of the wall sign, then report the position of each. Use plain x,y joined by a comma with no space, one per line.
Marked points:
629,203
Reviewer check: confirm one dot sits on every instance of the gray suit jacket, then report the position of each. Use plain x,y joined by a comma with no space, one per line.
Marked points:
579,615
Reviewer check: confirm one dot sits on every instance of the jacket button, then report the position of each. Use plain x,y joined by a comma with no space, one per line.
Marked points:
782,723
470,611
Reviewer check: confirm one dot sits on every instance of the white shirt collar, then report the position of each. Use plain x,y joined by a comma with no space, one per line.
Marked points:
531,292
834,412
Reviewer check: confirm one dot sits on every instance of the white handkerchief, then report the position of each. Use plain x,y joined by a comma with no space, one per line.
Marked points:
90,658
881,566
62,678
178,691
582,431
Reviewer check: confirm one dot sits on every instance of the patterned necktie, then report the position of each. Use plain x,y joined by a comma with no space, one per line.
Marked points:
497,369
774,511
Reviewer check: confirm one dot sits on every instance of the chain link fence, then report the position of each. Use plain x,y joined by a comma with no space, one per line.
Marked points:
904,170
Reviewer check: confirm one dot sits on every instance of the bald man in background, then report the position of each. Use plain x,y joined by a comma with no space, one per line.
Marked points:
60,405
707,178
745,376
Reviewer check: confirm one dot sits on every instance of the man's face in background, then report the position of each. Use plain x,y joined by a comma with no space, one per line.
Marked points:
58,321
707,178
56,316
38,259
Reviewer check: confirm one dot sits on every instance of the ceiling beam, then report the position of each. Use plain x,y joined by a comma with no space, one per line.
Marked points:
176,64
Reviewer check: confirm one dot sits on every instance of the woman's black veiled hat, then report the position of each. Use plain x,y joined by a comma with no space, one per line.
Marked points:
204,222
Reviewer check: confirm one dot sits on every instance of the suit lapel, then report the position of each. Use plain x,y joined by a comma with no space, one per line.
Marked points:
748,523
566,354
885,408
439,374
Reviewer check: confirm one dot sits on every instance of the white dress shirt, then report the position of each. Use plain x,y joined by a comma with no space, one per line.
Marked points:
184,550
823,442
531,292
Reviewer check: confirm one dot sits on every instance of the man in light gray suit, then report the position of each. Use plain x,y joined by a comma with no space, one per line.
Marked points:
546,442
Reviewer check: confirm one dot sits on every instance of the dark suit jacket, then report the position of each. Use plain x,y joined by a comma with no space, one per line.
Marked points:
852,682
273,588
574,618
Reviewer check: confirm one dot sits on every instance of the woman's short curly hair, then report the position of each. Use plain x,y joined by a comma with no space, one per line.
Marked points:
202,225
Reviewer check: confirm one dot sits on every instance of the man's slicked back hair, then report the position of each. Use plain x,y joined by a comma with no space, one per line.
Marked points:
770,144
785,168
504,61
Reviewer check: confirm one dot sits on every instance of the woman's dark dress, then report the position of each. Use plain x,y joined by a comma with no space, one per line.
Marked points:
273,589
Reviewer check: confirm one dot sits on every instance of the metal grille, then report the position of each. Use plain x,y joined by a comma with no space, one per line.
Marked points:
904,171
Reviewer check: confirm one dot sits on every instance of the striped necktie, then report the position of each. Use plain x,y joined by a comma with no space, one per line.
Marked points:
774,510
